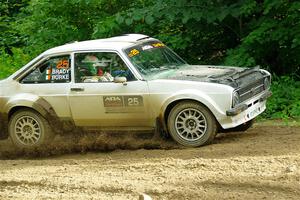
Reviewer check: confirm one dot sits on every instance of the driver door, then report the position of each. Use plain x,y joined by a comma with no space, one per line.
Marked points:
97,101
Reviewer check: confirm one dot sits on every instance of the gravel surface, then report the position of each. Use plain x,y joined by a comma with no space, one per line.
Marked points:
262,163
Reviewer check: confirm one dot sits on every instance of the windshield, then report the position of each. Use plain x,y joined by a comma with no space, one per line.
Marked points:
153,57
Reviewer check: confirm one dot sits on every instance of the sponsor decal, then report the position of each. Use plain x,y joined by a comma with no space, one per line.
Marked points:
60,77
113,101
133,52
49,71
63,64
48,74
60,71
123,102
159,44
60,74
133,101
48,77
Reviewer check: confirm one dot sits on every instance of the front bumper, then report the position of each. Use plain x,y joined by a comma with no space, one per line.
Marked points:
242,107
244,112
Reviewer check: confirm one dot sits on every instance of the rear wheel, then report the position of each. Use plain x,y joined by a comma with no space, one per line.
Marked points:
28,128
191,124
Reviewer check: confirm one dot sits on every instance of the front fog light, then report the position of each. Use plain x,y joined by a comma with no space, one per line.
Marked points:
235,99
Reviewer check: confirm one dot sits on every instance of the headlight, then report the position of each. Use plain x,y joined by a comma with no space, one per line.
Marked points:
235,99
266,83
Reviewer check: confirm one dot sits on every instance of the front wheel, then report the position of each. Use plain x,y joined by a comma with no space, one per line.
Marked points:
191,124
28,128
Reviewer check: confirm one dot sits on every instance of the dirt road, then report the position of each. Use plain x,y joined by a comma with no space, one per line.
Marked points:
262,163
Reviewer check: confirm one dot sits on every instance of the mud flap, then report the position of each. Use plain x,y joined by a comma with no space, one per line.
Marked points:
159,130
58,125
3,126
3,135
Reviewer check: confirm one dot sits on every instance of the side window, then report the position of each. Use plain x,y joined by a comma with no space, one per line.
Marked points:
100,67
54,70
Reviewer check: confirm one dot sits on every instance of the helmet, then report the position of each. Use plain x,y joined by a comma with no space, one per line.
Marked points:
103,62
90,59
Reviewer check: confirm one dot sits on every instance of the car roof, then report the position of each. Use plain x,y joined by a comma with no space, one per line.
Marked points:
112,43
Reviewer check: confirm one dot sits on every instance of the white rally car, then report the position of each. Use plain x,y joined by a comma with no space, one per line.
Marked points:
131,82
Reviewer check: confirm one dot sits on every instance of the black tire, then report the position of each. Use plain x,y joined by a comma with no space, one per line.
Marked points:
196,129
28,129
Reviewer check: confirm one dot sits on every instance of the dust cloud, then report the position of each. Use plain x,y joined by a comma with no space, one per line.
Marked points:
92,141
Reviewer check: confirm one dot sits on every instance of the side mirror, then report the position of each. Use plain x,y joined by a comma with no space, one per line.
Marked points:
120,80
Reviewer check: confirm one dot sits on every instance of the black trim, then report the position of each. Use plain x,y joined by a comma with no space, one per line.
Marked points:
236,110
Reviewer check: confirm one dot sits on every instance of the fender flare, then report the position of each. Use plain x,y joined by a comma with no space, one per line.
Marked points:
30,101
38,104
193,95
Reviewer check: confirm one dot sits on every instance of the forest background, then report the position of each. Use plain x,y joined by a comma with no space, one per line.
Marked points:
243,33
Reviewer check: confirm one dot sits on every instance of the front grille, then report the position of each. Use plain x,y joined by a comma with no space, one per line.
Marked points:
251,89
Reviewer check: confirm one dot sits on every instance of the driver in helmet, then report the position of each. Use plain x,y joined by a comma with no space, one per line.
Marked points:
96,69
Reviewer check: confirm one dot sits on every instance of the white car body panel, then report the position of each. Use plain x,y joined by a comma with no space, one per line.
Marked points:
86,107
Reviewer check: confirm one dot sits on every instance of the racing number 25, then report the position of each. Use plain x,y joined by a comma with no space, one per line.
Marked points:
133,100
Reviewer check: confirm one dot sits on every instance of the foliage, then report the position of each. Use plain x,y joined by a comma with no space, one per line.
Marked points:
285,102
239,33
9,37
242,33
59,22
9,64
273,39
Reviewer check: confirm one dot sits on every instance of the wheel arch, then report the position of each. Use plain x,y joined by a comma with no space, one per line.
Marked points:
189,135
15,109
31,102
171,104
39,105
27,128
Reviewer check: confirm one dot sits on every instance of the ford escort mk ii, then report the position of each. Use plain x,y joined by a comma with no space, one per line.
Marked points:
131,82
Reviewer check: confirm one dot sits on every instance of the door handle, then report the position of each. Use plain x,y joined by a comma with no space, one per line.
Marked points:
79,89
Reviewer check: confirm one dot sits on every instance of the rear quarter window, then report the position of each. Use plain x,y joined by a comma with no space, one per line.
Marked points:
53,70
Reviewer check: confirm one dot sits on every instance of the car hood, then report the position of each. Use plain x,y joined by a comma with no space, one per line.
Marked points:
232,76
